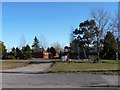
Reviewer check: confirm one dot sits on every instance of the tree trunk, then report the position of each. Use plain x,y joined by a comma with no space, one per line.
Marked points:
98,54
117,56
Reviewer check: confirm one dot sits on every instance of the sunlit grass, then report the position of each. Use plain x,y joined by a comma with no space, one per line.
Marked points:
84,67
9,64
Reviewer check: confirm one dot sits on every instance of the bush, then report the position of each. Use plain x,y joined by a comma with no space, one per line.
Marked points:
10,57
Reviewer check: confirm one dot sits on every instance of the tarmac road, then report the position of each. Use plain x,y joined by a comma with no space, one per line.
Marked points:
68,80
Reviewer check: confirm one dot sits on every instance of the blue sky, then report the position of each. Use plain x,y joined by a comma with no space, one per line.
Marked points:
51,20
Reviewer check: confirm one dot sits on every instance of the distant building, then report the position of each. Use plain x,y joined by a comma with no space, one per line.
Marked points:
44,55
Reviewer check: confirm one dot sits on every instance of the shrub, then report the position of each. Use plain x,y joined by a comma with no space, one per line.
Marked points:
10,57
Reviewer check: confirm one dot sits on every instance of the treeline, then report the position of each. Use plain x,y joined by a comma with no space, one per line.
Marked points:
108,47
27,52
99,34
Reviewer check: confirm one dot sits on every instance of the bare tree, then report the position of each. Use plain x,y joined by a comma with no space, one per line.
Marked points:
115,28
71,35
43,42
102,19
73,45
22,42
114,25
58,47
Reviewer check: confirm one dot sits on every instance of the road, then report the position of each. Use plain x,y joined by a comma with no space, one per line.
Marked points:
68,80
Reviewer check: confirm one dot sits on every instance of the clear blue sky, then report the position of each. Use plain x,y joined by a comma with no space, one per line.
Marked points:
51,20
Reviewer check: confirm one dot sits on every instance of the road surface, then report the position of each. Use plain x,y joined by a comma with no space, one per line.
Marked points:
68,80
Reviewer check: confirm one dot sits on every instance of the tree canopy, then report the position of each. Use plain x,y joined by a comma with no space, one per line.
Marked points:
36,45
110,46
85,34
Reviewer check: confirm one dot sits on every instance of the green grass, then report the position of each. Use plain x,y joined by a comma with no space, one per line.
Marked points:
110,61
101,67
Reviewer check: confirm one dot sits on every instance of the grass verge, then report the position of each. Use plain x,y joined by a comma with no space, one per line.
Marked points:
88,67
10,64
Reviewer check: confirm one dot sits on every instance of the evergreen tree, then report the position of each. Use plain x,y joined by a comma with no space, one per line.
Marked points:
4,51
48,49
0,49
52,51
110,46
36,45
13,52
19,54
26,52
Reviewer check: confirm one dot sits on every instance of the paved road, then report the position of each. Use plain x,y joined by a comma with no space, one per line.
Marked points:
69,80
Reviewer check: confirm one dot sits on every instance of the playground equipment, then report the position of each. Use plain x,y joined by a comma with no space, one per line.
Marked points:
66,56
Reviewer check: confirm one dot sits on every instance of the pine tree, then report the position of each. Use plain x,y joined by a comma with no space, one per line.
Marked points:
19,54
13,52
36,45
4,51
110,46
26,52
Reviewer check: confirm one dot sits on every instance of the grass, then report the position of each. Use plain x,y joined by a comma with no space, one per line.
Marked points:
103,67
110,61
10,64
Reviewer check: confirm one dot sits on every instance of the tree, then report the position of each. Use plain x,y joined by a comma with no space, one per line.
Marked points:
110,46
19,54
57,47
73,45
84,36
118,49
52,51
26,52
89,30
43,42
102,19
12,54
71,35
4,51
114,25
0,49
36,45
22,42
48,49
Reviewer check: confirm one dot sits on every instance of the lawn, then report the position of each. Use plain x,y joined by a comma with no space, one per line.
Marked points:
9,64
104,66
